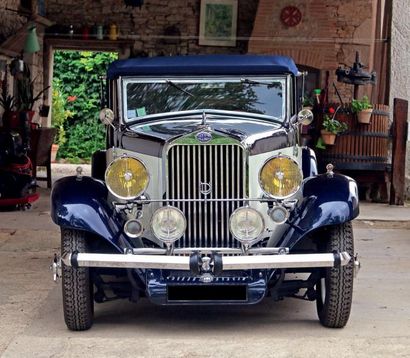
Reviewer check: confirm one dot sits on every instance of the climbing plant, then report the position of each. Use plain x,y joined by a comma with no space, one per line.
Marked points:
78,77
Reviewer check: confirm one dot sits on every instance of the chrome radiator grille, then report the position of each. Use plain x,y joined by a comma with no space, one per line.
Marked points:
220,166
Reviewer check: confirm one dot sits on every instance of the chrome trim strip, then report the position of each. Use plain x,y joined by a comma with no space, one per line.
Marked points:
189,196
194,191
222,182
215,197
200,212
284,80
183,186
211,250
147,201
183,262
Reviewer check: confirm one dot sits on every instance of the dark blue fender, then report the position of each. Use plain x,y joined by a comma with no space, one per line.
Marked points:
327,200
82,204
309,164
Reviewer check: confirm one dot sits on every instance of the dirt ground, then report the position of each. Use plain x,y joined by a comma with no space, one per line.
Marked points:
32,325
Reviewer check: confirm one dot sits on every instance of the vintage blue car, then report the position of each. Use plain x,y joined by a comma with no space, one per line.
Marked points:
204,195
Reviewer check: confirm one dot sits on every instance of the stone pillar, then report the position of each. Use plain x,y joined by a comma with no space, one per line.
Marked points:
400,65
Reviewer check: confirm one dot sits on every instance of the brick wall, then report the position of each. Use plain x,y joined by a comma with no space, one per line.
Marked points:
147,25
329,34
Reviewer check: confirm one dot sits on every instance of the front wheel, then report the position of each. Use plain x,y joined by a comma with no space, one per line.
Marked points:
77,285
334,289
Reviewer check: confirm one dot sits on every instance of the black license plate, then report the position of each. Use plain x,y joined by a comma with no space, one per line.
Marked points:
197,293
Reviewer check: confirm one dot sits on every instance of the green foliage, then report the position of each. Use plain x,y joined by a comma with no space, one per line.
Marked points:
25,90
359,105
85,138
79,76
59,113
7,102
333,125
307,102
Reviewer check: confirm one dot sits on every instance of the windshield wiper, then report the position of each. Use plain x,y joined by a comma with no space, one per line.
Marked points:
169,82
253,82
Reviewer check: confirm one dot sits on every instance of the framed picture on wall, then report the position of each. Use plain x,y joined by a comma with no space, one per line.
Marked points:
217,23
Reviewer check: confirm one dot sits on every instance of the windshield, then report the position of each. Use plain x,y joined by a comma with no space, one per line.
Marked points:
253,95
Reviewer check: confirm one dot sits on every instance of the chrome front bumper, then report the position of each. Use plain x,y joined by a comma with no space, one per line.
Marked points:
170,262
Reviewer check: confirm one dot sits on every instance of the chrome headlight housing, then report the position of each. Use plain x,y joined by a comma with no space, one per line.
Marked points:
126,177
168,224
246,224
280,177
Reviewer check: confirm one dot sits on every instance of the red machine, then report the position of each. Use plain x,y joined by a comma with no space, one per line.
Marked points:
17,184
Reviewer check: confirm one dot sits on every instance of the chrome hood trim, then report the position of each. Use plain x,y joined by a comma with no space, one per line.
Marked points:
255,135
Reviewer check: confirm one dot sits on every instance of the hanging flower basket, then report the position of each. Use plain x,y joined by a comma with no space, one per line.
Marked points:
328,138
363,109
364,116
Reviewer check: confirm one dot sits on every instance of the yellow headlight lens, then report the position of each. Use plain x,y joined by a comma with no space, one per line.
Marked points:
127,178
280,177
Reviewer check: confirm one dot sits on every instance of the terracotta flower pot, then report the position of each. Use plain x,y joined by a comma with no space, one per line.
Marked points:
364,116
328,137
54,150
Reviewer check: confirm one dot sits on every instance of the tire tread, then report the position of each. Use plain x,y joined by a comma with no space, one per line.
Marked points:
77,300
339,281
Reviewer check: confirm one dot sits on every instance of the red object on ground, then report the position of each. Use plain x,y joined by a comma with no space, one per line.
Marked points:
20,201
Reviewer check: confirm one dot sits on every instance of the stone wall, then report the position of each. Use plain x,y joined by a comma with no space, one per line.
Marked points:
147,25
400,64
10,21
329,34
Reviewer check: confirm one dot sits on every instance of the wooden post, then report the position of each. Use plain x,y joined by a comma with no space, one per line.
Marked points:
399,131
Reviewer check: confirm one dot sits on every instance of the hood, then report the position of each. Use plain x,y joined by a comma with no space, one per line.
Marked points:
256,135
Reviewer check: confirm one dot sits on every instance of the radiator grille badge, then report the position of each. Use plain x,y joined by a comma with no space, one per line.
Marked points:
204,137
205,188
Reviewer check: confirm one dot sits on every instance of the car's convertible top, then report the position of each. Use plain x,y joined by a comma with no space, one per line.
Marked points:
203,65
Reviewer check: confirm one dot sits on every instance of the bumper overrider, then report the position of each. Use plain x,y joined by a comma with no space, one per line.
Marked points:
198,261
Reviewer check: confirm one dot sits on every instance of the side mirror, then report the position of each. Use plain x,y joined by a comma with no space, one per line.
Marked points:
107,117
305,117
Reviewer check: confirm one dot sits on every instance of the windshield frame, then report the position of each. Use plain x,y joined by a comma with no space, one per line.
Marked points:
284,78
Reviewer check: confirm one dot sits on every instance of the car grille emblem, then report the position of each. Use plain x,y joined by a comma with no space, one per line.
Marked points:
205,188
204,137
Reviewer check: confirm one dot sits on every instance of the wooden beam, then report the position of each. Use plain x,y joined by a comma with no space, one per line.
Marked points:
123,47
399,130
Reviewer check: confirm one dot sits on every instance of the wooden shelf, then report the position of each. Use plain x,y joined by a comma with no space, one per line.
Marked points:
64,43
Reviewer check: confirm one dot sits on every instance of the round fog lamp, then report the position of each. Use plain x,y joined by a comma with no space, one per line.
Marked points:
168,224
133,228
246,224
278,214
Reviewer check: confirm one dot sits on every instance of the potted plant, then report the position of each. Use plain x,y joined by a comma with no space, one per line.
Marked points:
331,128
8,103
25,93
58,117
307,103
363,109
